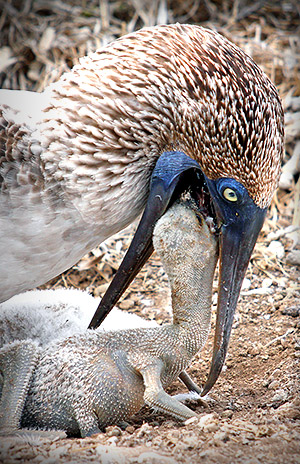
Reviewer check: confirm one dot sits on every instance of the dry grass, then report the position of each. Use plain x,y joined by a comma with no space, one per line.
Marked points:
41,39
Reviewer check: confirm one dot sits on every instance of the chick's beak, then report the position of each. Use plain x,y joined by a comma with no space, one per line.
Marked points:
239,231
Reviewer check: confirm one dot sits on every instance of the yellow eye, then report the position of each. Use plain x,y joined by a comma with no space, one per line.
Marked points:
230,195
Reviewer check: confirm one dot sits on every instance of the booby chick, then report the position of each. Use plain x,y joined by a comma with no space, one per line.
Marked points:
89,380
34,319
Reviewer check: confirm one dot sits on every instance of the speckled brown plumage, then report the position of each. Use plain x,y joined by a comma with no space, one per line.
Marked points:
78,165
172,86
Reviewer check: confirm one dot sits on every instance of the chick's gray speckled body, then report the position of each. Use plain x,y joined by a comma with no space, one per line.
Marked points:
28,323
90,380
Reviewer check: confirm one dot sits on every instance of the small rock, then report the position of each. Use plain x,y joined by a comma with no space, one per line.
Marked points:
145,429
227,414
113,431
254,350
191,420
246,284
290,410
293,311
208,423
293,258
130,429
280,395
297,343
112,441
275,384
267,282
189,442
126,304
221,436
277,249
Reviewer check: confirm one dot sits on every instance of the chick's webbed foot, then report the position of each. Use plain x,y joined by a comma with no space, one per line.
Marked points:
17,361
157,398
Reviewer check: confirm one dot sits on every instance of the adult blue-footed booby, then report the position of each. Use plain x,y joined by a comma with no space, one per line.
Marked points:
77,159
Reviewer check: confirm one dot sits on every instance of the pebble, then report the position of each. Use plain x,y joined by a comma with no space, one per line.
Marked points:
254,349
280,395
277,249
130,429
126,304
113,431
145,429
227,414
191,420
267,282
290,410
297,343
273,385
293,311
293,257
221,436
112,441
208,423
246,284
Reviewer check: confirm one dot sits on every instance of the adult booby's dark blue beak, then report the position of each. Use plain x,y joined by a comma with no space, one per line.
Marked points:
240,221
172,170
